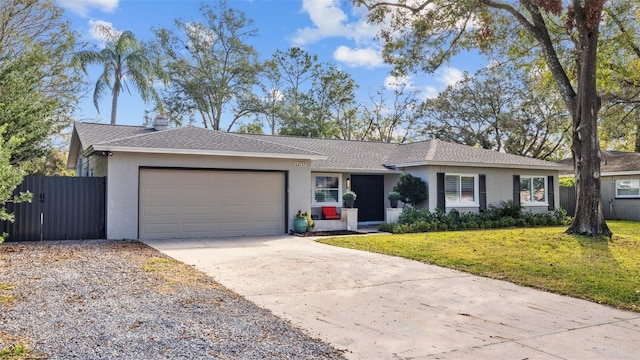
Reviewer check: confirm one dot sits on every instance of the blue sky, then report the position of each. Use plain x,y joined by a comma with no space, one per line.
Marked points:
332,29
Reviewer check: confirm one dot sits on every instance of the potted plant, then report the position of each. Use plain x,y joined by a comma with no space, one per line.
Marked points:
349,197
394,197
310,223
300,223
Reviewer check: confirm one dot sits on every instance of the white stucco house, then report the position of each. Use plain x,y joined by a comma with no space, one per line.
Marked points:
191,182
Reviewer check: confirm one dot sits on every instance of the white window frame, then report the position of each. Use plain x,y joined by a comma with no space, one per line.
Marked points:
313,189
618,196
545,201
476,191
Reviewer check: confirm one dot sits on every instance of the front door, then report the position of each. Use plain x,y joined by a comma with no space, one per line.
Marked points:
370,196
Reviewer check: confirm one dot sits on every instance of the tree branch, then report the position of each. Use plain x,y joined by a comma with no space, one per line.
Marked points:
413,9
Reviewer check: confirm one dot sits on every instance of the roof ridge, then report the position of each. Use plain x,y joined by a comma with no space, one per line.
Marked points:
431,151
137,135
116,125
501,152
249,137
322,139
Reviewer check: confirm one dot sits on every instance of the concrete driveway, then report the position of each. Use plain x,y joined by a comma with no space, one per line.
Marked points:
380,307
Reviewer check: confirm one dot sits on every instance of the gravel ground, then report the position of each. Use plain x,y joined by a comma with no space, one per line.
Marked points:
119,299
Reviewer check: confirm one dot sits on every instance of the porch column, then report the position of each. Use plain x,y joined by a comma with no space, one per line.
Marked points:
393,214
351,217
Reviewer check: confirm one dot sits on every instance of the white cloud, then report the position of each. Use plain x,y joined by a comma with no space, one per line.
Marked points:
367,57
329,20
102,30
445,77
449,76
394,82
429,92
82,7
274,95
200,34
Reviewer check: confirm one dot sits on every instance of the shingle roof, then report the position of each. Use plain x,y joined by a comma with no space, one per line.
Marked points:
612,162
195,138
326,153
341,154
441,152
101,137
355,155
90,134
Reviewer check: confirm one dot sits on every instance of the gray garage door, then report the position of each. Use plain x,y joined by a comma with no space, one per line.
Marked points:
196,203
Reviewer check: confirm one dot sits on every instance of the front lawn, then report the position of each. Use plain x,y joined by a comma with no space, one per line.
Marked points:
606,272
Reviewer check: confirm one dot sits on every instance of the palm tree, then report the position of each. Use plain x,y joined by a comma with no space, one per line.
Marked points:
124,59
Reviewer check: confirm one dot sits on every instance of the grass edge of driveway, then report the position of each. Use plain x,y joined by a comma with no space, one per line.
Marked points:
545,258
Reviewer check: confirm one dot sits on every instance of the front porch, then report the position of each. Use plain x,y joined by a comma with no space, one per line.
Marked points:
348,221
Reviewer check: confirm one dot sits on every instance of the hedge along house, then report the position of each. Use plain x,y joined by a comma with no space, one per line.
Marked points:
620,184
192,182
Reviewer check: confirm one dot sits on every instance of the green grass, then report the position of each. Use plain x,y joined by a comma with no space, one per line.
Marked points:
5,297
159,264
606,272
18,351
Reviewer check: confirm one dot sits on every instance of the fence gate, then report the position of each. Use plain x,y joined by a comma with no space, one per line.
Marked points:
62,208
568,199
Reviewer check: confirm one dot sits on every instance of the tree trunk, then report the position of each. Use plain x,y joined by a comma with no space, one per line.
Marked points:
588,218
114,106
637,144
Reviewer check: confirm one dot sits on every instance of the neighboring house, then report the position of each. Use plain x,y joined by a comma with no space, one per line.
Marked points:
192,182
620,184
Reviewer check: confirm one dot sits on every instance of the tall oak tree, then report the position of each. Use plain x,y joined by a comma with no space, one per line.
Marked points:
424,34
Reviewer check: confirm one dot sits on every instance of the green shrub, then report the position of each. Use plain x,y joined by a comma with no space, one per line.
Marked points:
491,213
412,190
510,209
472,225
561,217
567,181
420,226
510,215
386,227
394,196
349,196
506,222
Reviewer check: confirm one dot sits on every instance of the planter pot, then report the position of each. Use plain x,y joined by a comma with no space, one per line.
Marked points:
349,203
394,203
300,225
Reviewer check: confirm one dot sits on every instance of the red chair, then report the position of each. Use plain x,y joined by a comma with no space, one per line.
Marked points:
329,213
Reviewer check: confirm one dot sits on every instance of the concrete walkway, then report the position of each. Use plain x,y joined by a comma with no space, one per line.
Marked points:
380,307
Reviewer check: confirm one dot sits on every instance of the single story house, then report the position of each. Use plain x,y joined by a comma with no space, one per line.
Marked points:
191,182
620,184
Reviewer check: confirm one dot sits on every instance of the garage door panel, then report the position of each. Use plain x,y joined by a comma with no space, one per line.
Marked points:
200,194
266,225
168,179
160,229
189,204
158,193
160,210
197,228
205,211
235,211
194,178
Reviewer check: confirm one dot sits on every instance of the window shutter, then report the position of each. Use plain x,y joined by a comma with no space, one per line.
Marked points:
516,190
551,193
482,184
440,191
